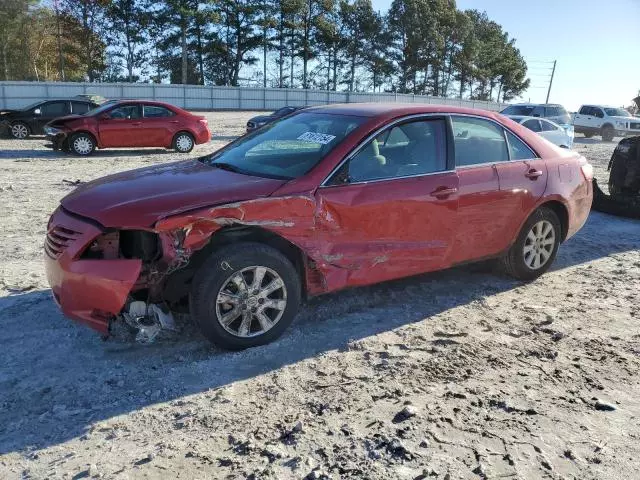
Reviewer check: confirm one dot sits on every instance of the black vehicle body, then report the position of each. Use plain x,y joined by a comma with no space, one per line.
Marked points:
30,120
624,181
262,120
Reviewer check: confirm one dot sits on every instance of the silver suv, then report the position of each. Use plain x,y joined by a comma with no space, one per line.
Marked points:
551,111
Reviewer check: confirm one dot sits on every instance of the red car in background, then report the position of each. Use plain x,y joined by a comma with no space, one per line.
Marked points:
128,123
328,198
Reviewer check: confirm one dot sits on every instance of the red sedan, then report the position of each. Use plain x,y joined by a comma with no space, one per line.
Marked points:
328,198
128,123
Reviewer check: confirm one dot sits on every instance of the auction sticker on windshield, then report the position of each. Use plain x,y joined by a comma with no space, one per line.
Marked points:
314,137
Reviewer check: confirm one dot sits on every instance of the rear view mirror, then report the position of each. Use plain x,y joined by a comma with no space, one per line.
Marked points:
37,111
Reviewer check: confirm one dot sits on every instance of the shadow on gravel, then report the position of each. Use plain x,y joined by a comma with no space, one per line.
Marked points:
57,379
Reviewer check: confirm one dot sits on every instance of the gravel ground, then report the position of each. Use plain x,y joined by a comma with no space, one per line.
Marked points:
459,374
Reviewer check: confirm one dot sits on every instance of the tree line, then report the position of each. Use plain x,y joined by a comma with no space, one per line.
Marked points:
418,46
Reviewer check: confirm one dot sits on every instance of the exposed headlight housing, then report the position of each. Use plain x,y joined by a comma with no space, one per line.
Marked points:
52,130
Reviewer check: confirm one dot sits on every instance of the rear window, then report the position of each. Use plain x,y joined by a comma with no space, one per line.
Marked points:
523,110
287,148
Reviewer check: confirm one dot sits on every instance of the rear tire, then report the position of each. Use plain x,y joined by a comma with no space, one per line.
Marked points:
183,142
245,295
536,247
588,135
82,144
19,130
608,133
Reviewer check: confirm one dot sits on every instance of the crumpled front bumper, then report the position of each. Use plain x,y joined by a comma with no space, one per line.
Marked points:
88,291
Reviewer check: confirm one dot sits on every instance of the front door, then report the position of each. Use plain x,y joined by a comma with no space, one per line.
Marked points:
121,127
48,112
385,217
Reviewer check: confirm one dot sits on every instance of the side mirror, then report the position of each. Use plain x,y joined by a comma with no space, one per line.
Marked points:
37,111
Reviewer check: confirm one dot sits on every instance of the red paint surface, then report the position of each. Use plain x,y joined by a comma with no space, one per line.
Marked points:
88,290
139,132
349,234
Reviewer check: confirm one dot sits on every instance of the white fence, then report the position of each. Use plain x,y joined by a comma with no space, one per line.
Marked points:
194,97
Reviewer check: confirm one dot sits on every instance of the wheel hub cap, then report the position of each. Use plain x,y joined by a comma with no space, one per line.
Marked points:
19,131
251,301
539,244
183,143
82,146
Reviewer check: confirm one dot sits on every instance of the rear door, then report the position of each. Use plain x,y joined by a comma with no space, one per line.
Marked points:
523,180
80,108
158,125
385,219
121,126
484,210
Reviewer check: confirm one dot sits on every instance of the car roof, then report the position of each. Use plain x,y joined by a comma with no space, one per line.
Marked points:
394,109
534,105
146,102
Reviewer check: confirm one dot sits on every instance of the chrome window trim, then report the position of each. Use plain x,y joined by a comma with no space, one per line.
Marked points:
388,179
371,136
415,116
504,133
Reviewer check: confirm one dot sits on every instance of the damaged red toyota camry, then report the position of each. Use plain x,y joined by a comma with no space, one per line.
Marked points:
331,197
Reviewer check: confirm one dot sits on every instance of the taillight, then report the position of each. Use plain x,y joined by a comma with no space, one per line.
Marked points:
203,121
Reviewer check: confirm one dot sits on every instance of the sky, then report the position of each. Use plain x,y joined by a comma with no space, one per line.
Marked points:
596,44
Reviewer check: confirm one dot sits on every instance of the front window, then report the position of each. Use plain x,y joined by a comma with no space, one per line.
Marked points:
617,112
54,109
413,148
125,112
288,148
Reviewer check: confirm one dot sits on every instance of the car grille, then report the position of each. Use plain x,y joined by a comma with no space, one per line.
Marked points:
634,126
58,238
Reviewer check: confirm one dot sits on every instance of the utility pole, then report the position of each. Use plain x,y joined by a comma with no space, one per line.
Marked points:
551,81
60,55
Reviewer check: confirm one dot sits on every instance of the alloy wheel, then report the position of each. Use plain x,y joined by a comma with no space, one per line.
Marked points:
251,301
539,244
19,131
184,143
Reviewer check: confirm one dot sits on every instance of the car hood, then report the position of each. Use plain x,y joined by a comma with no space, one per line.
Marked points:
66,118
262,118
139,198
8,112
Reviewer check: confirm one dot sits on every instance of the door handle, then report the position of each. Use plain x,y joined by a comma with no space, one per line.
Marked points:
175,121
533,174
443,192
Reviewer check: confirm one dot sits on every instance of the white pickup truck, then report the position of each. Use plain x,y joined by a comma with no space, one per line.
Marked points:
606,121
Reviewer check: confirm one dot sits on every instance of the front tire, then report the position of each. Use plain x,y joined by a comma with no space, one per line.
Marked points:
588,135
245,295
19,130
536,247
183,142
82,144
608,133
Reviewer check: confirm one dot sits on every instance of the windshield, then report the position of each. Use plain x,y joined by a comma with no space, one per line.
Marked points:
282,111
524,110
288,148
617,112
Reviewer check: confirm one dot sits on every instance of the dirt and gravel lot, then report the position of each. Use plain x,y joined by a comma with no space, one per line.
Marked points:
458,374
